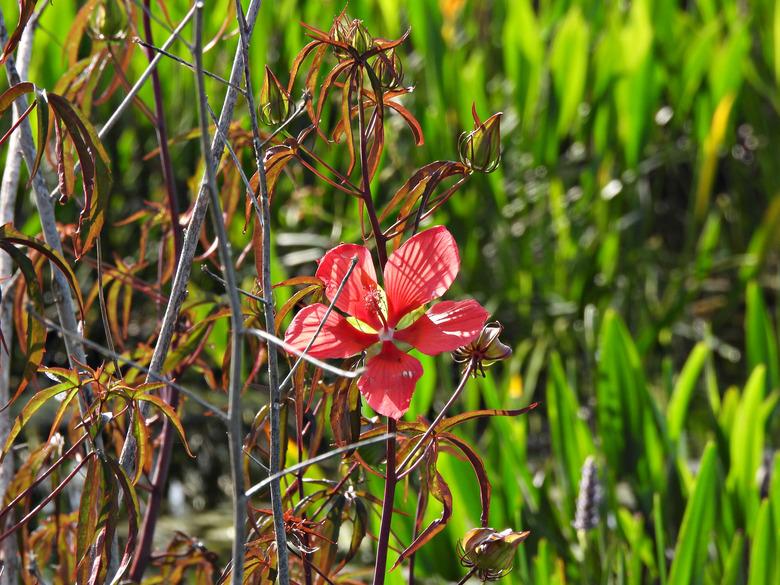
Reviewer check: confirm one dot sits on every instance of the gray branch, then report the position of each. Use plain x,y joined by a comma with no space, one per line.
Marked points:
8,191
184,266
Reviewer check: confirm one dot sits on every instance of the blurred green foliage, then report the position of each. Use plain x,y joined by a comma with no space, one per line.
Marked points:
628,242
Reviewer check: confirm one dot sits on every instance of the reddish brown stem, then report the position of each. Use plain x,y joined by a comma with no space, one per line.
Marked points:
43,476
162,135
144,549
160,477
47,499
387,508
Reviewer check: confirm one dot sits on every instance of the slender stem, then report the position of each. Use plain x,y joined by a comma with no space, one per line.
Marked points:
277,397
180,61
171,395
47,499
432,427
236,338
128,99
161,129
391,479
418,518
467,576
191,235
315,460
379,238
387,507
72,449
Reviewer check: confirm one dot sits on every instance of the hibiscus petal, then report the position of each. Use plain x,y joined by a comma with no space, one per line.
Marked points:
421,270
338,339
360,297
445,327
389,381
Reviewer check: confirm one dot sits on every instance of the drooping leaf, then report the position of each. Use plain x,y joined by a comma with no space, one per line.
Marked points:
170,414
26,10
35,331
9,234
95,170
439,489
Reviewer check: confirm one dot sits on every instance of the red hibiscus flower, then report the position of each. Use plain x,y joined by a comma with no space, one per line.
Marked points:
383,321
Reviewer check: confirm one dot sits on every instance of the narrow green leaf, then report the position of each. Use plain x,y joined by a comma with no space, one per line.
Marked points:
34,404
684,388
694,536
762,560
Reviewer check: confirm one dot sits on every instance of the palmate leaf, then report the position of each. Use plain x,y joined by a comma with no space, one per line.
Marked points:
34,405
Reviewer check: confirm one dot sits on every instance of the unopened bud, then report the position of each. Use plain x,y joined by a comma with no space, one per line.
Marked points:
108,21
350,32
490,552
361,39
485,350
480,149
274,102
389,69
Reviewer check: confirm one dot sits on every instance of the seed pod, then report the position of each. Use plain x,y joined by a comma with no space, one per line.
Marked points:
274,102
108,21
490,552
485,350
589,499
480,149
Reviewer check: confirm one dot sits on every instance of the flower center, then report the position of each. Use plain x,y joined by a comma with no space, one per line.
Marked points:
375,302
386,334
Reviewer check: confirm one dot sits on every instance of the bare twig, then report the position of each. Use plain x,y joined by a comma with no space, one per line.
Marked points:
235,433
277,398
432,427
8,191
187,64
315,460
290,349
182,275
151,376
301,357
222,281
128,100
